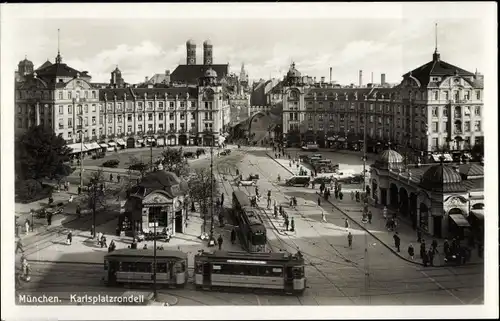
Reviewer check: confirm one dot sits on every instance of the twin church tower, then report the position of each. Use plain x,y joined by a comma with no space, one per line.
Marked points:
191,52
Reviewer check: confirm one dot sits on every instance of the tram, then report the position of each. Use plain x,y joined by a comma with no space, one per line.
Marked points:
282,272
135,266
251,227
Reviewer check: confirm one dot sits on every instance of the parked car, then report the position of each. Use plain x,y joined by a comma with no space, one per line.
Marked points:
224,153
200,151
323,179
137,167
189,155
298,180
112,163
228,151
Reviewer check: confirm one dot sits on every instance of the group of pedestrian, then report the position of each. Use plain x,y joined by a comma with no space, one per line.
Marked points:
101,240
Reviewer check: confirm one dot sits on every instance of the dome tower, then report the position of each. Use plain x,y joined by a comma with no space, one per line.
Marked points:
207,53
190,52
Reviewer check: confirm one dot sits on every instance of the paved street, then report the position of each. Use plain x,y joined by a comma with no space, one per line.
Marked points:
336,273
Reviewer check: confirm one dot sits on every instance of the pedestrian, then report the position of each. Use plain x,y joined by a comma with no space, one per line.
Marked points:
49,218
51,200
352,195
434,246
370,217
323,217
118,178
397,241
422,249
103,241
430,256
275,211
219,241
145,247
79,189
446,248
19,246
112,246
424,258
336,194
27,226
341,195
411,251
286,223
233,236
99,236
268,202
384,212
78,210
349,240
419,235
221,199
319,201
292,225
111,177
69,238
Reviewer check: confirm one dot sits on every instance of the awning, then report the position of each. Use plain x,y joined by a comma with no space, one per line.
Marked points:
92,146
150,139
460,220
121,142
341,139
435,157
448,158
112,144
77,148
330,138
478,213
103,145
160,141
140,141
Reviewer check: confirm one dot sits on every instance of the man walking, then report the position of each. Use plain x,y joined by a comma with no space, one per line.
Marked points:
111,177
233,236
292,225
286,223
19,246
27,226
370,217
69,239
78,210
411,251
222,199
422,249
346,224
349,240
319,201
219,241
397,242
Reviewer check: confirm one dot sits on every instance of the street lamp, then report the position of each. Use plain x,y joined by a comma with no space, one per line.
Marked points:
155,293
211,239
81,151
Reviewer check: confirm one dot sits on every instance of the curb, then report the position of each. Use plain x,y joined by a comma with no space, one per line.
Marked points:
66,262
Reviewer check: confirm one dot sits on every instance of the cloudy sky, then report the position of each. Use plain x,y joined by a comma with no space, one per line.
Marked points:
144,46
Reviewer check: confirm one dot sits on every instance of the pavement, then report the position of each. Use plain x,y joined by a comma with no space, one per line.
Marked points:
354,212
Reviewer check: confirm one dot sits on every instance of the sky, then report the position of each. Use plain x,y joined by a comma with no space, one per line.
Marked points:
145,46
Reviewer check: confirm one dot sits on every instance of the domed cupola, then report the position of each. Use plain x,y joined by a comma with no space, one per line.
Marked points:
389,159
293,72
25,67
210,73
439,176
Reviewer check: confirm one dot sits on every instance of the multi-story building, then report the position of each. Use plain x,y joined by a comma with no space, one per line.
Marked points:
437,106
63,99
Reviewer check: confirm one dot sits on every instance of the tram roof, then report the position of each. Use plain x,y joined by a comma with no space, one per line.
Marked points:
147,253
261,256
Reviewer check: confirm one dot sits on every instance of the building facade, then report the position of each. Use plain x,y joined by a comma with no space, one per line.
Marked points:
436,107
63,99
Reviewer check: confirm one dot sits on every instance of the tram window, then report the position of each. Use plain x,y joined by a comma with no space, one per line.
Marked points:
216,269
277,271
162,267
199,267
143,267
298,272
264,271
179,267
126,267
105,264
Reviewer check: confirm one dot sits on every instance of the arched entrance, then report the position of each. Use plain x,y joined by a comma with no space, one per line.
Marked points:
208,140
455,211
171,140
478,206
375,191
403,201
182,140
130,142
413,210
424,217
394,196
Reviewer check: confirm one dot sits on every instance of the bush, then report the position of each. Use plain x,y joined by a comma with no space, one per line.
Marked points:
189,155
113,163
137,167
31,190
200,151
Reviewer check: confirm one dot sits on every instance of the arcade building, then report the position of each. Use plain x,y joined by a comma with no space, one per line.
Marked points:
443,200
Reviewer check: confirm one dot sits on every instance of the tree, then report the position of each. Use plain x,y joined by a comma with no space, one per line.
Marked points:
135,164
40,153
200,189
175,162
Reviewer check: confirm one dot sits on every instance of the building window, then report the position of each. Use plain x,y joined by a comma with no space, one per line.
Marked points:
70,123
94,95
445,126
119,130
171,104
61,95
150,104
93,132
119,118
150,116
93,107
171,116
139,127
160,104
160,126
434,111
86,121
93,120
110,120
110,107
380,120
79,109
478,95
477,111
70,135
86,108
435,128
129,117
86,94
139,117
193,125
182,104
101,119
445,111
436,95
371,118
466,95
129,129
309,116
446,95
70,95
182,116
160,116
467,126
477,126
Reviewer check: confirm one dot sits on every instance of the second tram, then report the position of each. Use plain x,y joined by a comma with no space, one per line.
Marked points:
135,266
251,227
281,272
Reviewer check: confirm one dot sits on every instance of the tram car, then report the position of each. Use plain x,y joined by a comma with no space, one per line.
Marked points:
135,266
281,272
252,232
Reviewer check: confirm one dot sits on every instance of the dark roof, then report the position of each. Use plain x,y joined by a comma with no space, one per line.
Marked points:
436,67
191,73
437,177
263,256
471,169
161,180
138,93
44,65
389,159
55,70
140,253
338,92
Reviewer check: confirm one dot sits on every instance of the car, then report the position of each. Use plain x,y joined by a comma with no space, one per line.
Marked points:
247,183
200,151
189,155
298,180
228,151
112,163
138,167
224,153
323,179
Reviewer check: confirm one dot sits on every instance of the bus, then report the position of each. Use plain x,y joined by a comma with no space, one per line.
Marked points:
282,272
252,232
135,266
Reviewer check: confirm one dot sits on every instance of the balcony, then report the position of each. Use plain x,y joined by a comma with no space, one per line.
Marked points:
182,131
171,130
78,126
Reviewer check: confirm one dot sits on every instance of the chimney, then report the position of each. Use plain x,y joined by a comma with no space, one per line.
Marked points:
330,75
314,79
361,78
372,77
322,79
382,79
146,79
